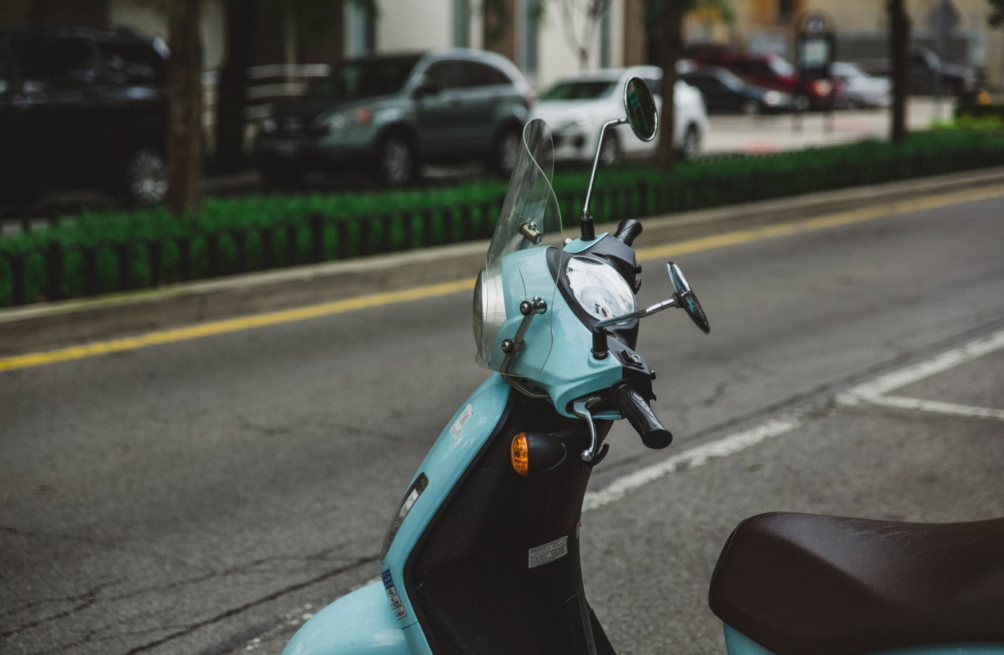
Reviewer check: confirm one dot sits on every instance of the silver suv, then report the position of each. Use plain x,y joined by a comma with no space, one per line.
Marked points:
394,113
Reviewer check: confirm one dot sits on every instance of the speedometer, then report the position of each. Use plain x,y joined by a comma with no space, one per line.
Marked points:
599,289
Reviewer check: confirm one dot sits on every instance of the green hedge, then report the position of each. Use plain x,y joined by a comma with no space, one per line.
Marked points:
98,249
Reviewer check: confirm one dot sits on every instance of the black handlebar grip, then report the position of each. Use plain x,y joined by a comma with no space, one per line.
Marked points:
628,231
638,413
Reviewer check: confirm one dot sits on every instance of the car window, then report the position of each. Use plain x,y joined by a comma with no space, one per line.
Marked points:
478,74
365,78
654,85
132,63
585,90
57,62
780,66
446,74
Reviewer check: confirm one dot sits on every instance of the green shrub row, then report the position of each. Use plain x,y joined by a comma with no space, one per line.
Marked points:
109,250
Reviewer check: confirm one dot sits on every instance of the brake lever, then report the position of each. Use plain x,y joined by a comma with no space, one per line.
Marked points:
581,409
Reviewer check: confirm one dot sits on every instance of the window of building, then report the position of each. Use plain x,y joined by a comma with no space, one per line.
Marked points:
786,10
605,38
462,23
529,41
363,31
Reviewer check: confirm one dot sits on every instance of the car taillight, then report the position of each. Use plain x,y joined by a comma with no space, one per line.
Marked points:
822,87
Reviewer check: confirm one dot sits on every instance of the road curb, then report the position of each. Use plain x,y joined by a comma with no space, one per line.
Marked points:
55,324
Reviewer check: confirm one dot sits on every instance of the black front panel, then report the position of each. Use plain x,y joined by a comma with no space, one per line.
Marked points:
469,577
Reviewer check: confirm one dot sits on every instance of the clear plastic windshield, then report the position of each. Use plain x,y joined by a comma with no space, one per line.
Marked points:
529,219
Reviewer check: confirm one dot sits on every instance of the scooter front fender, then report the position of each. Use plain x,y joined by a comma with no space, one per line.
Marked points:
360,623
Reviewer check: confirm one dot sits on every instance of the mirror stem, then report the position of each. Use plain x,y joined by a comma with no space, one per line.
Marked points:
588,234
600,347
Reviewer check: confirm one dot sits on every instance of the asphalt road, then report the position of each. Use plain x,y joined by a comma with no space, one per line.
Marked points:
206,496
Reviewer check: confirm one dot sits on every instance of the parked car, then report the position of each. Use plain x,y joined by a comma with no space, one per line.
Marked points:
771,71
956,79
855,88
723,92
391,114
576,107
82,108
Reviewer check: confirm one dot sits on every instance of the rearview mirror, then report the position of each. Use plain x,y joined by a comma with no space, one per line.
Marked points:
685,298
640,107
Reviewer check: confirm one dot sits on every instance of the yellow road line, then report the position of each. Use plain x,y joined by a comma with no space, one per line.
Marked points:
821,223
432,291
233,325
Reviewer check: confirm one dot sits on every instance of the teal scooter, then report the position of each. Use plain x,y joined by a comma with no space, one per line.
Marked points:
482,553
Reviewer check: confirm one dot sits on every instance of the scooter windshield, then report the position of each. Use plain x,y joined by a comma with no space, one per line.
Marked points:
516,269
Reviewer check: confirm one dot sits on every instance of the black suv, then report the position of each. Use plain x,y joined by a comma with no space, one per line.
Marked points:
392,113
82,108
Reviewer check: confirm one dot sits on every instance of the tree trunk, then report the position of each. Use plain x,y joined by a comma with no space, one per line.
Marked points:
672,44
240,22
899,27
184,128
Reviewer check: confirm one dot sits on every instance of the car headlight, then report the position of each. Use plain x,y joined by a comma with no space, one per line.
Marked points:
340,120
772,98
268,126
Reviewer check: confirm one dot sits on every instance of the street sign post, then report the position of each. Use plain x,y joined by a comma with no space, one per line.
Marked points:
815,51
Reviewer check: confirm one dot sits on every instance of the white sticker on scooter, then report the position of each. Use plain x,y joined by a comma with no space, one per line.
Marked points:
461,422
395,600
549,552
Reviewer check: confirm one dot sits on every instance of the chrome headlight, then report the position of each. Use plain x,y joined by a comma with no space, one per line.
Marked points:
772,98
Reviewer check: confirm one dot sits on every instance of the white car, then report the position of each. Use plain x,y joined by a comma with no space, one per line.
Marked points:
577,107
856,88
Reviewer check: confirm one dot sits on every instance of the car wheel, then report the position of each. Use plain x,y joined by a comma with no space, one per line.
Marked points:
750,108
507,146
690,149
397,161
610,151
146,177
802,103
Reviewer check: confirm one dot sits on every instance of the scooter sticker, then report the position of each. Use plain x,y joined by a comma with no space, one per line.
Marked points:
395,600
461,422
549,552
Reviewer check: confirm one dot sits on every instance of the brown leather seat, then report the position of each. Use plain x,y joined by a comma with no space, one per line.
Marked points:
802,584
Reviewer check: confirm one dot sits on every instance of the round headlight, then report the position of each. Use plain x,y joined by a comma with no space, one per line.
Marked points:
772,98
599,289
478,310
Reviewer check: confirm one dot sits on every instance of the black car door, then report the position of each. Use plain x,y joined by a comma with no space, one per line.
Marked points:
56,104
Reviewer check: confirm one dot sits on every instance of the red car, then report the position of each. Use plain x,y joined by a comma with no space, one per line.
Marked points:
770,71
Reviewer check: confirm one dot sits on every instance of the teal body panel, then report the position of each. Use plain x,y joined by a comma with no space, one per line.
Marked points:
575,246
360,623
558,346
452,453
739,644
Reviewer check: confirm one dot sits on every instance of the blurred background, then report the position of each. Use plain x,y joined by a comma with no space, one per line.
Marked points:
88,79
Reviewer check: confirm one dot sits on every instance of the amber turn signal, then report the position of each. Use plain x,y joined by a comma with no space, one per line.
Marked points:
520,454
546,451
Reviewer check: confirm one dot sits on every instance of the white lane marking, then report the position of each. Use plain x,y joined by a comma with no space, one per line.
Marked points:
938,407
692,458
882,385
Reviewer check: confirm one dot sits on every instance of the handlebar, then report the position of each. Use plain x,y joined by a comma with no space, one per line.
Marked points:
628,231
641,417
